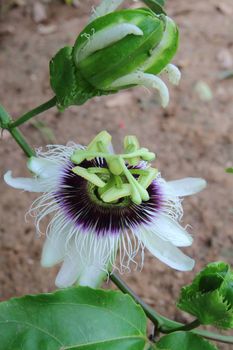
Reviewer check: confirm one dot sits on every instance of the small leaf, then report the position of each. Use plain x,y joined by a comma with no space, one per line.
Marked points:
78,318
210,296
69,2
209,308
184,341
229,170
155,5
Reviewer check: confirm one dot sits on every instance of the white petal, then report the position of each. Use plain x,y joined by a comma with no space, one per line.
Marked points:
26,184
70,271
170,230
166,252
92,277
105,38
187,186
174,74
105,7
147,80
87,261
42,167
54,249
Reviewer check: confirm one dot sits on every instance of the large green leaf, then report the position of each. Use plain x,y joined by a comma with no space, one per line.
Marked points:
184,341
76,318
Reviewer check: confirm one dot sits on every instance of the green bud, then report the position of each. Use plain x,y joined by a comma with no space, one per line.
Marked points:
116,51
123,55
210,296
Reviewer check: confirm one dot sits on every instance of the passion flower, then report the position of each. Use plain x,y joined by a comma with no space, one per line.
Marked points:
102,203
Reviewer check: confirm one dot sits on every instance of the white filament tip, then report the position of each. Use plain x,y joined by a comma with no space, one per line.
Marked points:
147,80
174,74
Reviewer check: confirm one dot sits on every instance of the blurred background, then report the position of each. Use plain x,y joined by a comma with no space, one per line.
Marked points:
192,137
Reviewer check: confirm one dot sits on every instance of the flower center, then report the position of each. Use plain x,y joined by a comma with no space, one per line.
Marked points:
122,177
95,196
82,204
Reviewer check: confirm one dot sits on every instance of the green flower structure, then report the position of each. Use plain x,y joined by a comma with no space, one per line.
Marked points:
116,50
210,296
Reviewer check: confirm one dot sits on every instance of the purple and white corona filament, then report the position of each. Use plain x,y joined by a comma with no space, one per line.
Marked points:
106,205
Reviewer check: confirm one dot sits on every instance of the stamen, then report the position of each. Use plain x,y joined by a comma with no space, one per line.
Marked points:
131,144
147,80
148,176
115,193
94,179
105,38
138,193
100,142
94,170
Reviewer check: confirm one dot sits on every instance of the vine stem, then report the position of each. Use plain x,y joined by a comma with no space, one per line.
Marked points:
186,327
163,324
5,119
25,117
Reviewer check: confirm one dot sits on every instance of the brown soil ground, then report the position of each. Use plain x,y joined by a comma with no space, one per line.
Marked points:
191,138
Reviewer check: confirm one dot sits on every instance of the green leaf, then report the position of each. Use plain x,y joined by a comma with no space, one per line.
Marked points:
210,296
209,308
69,2
184,341
229,170
155,5
76,318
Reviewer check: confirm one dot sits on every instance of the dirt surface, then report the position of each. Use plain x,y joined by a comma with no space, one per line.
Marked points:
192,137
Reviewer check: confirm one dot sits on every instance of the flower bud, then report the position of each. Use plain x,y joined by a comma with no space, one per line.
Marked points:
116,51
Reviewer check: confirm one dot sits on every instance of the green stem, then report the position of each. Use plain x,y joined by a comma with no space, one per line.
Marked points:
186,327
25,117
163,324
151,314
16,134
214,336
19,138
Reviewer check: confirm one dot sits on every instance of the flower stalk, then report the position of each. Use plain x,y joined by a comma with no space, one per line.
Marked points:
40,109
5,121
